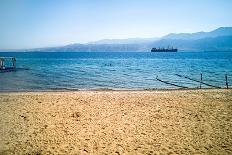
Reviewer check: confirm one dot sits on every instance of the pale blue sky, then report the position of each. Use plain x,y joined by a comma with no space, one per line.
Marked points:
43,23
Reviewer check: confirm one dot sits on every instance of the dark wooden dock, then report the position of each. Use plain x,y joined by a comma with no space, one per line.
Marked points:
4,68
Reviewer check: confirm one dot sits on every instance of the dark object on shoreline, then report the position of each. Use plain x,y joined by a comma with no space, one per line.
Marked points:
164,49
200,81
226,81
172,84
4,68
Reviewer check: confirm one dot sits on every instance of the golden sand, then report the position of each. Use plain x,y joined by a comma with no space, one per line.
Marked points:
116,122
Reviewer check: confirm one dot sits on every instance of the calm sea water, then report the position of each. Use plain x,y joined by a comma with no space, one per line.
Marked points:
132,70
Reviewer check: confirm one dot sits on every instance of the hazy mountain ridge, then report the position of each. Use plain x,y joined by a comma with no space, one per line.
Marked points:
222,31
125,41
222,43
217,40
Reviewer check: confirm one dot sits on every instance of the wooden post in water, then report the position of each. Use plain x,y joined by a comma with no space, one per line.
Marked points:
226,81
201,80
1,63
14,62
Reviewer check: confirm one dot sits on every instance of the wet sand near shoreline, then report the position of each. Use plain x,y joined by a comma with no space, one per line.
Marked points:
117,122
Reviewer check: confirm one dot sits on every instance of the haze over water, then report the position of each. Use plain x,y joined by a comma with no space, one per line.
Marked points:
131,70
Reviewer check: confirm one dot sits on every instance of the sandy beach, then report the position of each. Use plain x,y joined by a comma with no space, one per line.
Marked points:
116,122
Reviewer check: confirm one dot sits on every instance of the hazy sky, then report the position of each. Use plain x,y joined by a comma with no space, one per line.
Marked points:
42,23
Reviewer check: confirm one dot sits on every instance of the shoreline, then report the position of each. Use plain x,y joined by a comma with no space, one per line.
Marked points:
112,90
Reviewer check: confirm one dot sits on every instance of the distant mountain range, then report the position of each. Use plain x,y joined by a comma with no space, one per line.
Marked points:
222,31
217,40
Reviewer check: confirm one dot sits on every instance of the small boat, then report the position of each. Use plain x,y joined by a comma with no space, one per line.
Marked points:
164,49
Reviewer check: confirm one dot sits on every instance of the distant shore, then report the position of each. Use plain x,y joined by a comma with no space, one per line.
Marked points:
192,121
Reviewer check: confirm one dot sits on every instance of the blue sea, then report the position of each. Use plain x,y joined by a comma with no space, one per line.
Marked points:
116,70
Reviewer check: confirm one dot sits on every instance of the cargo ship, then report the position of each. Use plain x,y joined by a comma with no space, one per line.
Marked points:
164,49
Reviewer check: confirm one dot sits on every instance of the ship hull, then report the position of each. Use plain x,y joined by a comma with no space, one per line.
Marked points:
164,50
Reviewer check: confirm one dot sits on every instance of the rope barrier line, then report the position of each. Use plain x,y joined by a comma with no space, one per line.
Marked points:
169,83
197,81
